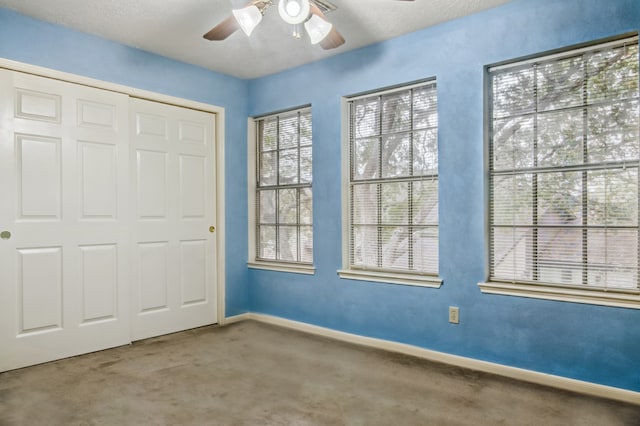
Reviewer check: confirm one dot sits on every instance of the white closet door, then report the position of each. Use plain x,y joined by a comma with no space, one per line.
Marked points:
173,207
63,199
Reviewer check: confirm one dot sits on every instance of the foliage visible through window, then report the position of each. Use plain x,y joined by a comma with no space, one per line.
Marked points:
393,181
283,190
564,150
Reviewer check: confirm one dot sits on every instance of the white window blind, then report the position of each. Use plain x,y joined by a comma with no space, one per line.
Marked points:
284,219
393,180
564,150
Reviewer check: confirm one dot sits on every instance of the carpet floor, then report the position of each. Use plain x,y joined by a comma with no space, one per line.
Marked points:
251,373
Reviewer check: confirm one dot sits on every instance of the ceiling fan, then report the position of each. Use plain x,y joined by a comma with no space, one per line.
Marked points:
294,12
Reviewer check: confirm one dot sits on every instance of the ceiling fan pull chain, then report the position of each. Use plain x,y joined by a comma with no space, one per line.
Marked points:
297,32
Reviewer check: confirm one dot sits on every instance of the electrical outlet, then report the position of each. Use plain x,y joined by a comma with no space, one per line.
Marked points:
454,314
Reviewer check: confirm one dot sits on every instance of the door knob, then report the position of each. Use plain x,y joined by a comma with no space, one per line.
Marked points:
212,229
5,235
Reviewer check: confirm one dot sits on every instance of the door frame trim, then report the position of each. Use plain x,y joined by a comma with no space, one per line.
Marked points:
217,111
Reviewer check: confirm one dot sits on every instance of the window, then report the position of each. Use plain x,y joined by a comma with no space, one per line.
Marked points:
391,181
564,150
282,220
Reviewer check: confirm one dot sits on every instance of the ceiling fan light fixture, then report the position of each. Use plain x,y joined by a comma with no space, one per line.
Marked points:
248,18
317,28
294,11
293,8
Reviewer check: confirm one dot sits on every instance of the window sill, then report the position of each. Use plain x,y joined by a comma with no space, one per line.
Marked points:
604,298
391,278
283,267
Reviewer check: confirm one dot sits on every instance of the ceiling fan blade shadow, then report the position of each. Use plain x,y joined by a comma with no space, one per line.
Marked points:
223,30
334,38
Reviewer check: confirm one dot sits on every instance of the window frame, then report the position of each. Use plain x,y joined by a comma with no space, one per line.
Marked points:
615,297
386,276
306,268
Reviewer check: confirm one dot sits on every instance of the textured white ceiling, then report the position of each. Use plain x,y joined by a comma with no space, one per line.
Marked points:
174,28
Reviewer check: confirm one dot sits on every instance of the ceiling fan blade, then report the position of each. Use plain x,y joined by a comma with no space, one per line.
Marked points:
223,30
230,25
334,38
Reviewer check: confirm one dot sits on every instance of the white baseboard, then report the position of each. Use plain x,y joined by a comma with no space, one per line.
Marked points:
530,376
236,318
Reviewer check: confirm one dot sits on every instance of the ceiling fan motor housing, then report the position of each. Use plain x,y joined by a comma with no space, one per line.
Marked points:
294,11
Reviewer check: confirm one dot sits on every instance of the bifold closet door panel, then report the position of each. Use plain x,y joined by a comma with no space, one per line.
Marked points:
64,185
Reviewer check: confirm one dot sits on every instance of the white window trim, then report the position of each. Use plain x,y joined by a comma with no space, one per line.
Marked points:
575,295
282,267
253,263
347,272
612,298
417,280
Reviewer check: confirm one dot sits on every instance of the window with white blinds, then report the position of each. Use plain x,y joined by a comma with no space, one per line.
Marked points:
283,194
564,150
393,180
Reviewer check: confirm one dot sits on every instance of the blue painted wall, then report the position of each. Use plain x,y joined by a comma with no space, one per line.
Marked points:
35,42
591,343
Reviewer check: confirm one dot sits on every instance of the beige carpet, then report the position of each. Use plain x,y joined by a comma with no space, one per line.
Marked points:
255,374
